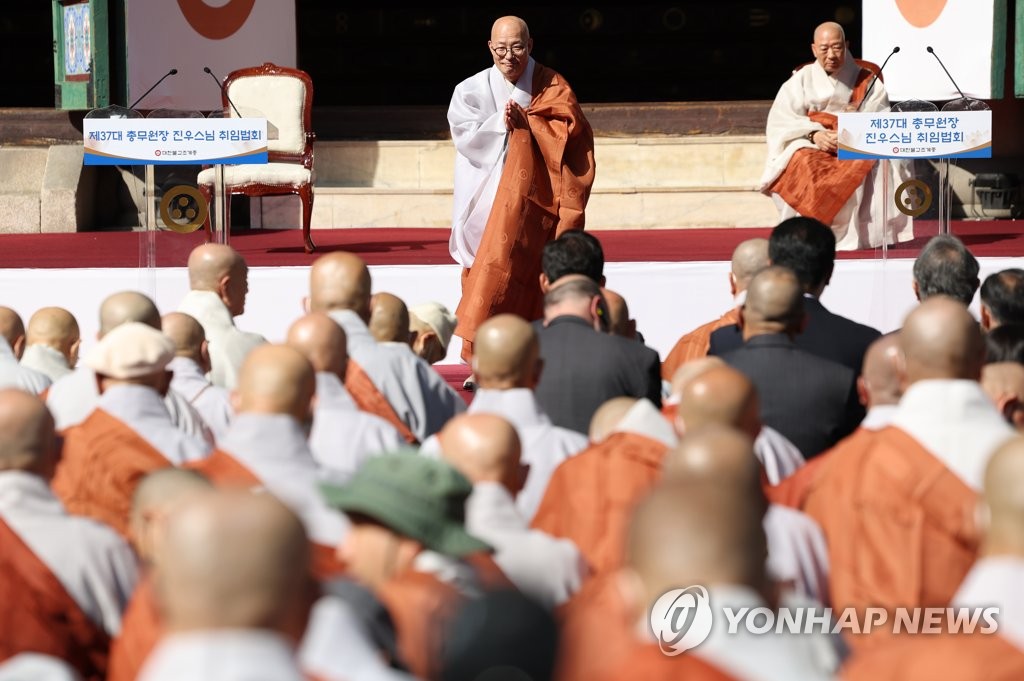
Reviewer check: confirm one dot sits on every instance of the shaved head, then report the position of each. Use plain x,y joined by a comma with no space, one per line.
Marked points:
619,323
940,340
608,416
510,23
685,533
1003,382
506,354
56,328
340,281
719,396
829,47
275,379
155,496
209,263
749,258
829,28
389,318
484,448
1004,497
321,341
716,454
187,335
775,303
691,370
12,329
28,441
127,306
233,560
879,382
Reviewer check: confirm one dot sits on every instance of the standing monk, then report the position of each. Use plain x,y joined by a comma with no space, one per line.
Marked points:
523,171
803,174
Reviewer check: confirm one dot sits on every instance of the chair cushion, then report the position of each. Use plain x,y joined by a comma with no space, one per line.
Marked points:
281,100
270,173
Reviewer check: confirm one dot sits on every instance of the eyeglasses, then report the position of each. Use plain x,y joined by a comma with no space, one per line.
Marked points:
501,50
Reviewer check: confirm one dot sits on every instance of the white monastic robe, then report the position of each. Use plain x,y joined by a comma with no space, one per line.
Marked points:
143,410
228,344
417,393
797,552
46,360
37,667
859,223
15,375
211,401
544,445
343,437
93,564
995,581
223,655
476,117
778,456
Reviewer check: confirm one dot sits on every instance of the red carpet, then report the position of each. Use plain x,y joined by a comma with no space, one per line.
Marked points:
409,246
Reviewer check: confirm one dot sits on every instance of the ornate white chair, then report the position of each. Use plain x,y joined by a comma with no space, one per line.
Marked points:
284,96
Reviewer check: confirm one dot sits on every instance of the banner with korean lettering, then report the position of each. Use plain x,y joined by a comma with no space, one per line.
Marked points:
939,134
174,141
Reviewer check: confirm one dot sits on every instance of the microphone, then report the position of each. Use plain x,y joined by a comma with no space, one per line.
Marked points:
877,75
223,90
172,72
932,52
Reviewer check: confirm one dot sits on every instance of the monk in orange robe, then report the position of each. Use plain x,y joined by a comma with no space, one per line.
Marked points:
748,259
538,130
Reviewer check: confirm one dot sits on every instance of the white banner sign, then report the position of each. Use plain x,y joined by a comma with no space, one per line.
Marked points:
174,141
938,134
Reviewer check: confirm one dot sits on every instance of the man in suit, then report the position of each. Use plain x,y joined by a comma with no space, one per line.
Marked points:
584,366
946,268
808,248
810,400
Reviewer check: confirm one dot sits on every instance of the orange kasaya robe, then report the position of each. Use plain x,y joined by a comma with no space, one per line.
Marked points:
542,193
369,399
900,525
696,344
224,470
102,462
647,662
922,657
490,576
141,630
817,184
421,607
590,496
38,615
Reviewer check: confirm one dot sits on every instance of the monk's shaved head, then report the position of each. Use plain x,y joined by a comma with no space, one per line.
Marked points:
940,340
321,341
775,303
715,454
608,416
879,382
155,496
691,370
275,379
127,306
829,28
232,560
1004,497
1003,382
506,353
619,323
749,258
829,47
719,396
510,25
484,448
54,327
11,327
185,332
28,441
685,533
389,318
340,281
209,263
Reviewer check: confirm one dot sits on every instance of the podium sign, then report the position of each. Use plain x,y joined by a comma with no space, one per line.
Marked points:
174,141
915,134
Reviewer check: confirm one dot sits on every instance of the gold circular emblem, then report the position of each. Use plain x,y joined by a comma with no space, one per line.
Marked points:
183,209
913,198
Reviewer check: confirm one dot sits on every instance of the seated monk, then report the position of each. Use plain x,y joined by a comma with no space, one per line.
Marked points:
803,174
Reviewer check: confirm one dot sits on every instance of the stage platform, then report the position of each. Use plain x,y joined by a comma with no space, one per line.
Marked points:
672,279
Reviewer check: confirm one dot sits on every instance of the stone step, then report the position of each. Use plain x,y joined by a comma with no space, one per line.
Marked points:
21,177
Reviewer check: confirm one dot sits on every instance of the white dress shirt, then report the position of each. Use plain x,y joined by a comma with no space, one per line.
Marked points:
997,581
343,437
222,655
90,560
15,375
211,401
273,447
45,360
956,422
547,569
228,344
144,411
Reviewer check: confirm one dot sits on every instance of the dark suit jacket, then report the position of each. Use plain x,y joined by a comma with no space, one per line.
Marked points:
583,369
810,400
827,335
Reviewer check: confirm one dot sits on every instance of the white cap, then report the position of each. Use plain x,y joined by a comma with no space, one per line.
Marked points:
131,350
440,320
